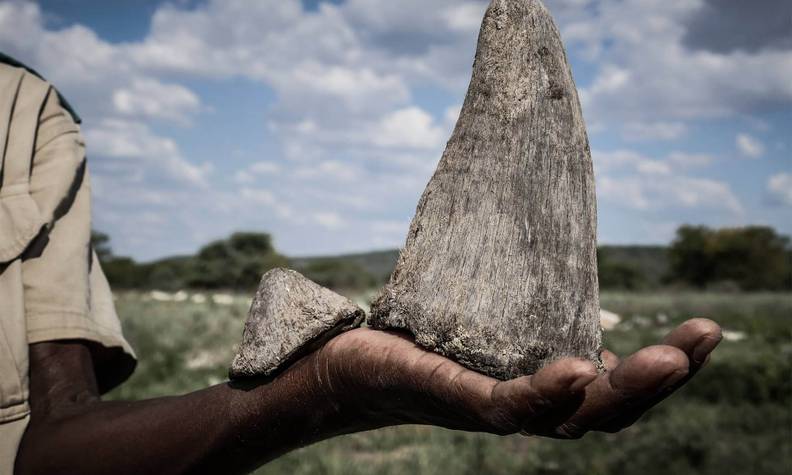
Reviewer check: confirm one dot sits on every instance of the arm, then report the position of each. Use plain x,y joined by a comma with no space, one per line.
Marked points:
218,429
362,379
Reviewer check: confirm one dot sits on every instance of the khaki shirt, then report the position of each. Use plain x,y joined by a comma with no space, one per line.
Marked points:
51,284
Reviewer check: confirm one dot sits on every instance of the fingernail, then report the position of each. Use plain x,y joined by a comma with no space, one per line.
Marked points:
673,378
581,382
704,348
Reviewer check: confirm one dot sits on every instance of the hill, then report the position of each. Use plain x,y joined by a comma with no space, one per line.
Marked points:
620,266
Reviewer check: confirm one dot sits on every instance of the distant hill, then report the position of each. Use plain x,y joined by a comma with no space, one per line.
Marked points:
651,262
648,262
377,264
751,258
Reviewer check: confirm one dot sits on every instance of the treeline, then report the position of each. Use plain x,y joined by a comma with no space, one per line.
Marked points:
749,258
234,263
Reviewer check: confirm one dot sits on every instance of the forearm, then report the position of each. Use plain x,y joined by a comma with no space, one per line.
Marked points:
220,429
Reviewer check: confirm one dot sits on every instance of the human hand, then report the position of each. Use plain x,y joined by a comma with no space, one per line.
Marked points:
389,380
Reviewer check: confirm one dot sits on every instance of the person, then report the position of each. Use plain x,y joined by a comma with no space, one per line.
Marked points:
61,348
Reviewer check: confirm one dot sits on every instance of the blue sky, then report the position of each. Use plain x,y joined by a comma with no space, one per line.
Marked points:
321,122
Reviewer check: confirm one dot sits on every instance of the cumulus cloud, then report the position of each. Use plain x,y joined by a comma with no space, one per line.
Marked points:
628,159
121,139
355,137
663,192
749,146
149,98
639,131
408,127
629,179
648,71
259,196
328,220
689,160
723,26
779,187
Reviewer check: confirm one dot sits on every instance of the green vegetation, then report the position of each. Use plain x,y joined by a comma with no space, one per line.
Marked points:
338,273
377,264
632,267
752,258
734,418
234,263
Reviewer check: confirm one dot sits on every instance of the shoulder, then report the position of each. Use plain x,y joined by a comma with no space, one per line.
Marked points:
12,67
12,70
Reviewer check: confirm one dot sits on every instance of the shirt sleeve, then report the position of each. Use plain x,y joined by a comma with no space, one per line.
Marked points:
66,294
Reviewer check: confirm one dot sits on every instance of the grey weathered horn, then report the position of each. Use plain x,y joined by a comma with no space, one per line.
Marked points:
290,317
499,268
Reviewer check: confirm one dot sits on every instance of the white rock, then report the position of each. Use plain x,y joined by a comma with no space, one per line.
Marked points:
160,296
730,335
223,299
609,320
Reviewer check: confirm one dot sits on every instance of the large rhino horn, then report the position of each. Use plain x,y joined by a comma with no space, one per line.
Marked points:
499,268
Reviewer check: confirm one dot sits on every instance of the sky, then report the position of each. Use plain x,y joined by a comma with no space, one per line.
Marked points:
321,122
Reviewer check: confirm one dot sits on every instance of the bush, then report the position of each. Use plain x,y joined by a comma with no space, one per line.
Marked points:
755,258
339,274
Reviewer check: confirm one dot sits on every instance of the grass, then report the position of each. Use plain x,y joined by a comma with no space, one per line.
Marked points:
735,417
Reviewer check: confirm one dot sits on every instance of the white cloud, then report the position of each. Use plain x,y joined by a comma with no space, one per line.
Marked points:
629,193
256,171
244,177
604,161
465,17
265,168
628,179
359,88
779,187
258,196
146,97
646,72
330,170
749,146
122,139
689,160
352,129
409,127
329,220
667,192
638,131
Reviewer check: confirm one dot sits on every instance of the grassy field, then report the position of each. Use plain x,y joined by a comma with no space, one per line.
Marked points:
735,418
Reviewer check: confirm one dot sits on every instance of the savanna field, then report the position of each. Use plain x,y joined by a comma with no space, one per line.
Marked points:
735,417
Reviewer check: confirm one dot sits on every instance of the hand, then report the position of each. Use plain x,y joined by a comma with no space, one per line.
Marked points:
388,379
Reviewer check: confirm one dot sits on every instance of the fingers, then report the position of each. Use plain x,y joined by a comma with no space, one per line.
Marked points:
535,402
697,338
643,375
448,394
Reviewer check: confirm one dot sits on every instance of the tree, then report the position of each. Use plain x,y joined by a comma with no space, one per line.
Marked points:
753,257
691,256
618,275
237,262
100,242
337,273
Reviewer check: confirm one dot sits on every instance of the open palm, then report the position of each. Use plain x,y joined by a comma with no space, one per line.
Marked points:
389,377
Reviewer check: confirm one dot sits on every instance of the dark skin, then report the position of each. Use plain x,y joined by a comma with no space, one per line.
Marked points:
363,379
